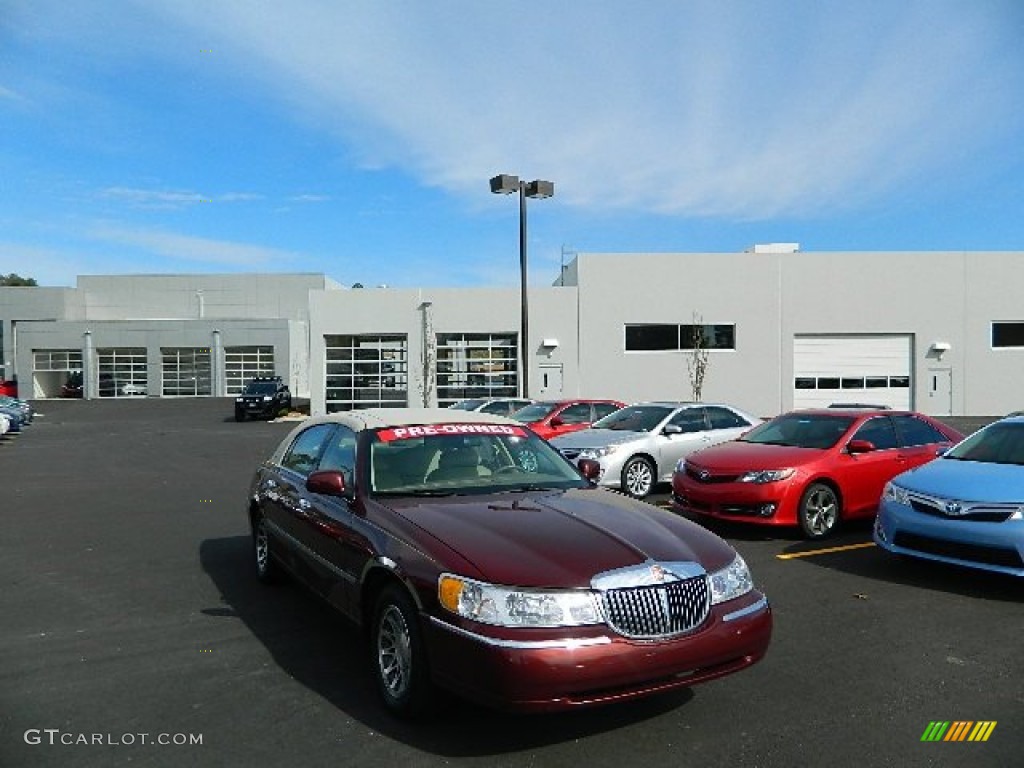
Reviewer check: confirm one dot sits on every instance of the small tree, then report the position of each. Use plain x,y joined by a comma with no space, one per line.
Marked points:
697,357
17,280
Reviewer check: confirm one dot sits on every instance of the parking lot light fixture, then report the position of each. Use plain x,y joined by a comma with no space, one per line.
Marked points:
506,184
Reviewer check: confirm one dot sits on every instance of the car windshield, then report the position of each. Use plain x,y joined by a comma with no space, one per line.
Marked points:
801,430
1000,443
261,388
634,418
467,405
444,459
535,412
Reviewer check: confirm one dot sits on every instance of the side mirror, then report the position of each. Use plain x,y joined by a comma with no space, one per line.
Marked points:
672,429
590,469
556,421
860,446
328,482
942,450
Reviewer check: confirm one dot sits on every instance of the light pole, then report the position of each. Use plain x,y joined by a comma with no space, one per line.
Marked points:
504,184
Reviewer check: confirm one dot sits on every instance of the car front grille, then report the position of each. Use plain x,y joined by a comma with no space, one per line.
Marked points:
973,553
660,610
973,514
704,476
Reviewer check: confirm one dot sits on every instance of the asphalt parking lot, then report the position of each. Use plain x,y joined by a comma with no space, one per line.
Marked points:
130,616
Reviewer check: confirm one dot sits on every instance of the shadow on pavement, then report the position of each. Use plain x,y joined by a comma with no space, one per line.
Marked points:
317,647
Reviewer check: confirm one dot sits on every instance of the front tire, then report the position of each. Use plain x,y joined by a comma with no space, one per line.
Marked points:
267,569
399,657
819,511
638,477
239,414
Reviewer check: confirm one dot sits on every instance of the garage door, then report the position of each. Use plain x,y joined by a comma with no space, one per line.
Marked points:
852,369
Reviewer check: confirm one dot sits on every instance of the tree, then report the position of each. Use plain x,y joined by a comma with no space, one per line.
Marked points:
697,357
17,280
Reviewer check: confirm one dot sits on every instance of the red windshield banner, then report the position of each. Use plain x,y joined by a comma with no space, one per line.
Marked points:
449,430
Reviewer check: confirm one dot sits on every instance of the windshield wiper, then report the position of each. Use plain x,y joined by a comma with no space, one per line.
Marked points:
417,492
528,487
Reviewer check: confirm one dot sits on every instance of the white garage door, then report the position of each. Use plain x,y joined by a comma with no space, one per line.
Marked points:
852,369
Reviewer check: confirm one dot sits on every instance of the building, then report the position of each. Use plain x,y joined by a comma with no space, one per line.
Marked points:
941,332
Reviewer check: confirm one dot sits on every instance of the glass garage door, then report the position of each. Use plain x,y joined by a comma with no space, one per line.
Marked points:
476,365
186,371
242,364
56,373
366,372
123,372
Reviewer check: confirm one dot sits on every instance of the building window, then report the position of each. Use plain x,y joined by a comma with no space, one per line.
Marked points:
123,372
1006,335
242,364
185,371
662,337
476,365
367,372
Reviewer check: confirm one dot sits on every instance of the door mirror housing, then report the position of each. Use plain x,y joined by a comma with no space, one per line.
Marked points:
590,469
328,482
556,421
672,429
860,446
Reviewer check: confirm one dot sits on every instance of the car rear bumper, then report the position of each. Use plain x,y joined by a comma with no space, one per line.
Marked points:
990,546
585,669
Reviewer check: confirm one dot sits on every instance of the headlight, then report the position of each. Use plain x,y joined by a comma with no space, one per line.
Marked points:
762,476
597,453
239,400
731,582
896,494
510,607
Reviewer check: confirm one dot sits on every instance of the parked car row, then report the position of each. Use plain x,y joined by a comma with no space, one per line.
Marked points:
15,414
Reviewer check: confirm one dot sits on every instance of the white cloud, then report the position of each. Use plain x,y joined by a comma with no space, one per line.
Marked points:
178,247
172,199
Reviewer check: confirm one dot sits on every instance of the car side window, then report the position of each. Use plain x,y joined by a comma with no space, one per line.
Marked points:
723,418
603,409
576,414
305,451
914,431
340,453
690,420
878,431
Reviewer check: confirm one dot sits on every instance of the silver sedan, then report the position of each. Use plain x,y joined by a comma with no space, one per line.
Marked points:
639,445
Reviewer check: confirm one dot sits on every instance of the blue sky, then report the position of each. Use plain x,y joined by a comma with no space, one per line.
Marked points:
357,138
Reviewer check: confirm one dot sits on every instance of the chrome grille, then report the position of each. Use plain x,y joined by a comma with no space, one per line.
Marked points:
660,610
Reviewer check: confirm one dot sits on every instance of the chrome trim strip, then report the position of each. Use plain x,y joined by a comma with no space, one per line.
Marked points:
567,644
760,605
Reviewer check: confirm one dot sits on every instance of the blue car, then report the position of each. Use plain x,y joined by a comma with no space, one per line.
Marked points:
965,508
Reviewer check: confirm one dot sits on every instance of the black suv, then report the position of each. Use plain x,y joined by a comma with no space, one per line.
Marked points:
264,397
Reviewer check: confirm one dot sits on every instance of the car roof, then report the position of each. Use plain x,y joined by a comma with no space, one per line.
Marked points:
867,410
378,418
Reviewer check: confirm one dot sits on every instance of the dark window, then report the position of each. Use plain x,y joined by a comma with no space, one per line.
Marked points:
914,431
852,383
723,418
901,382
711,336
690,420
806,382
828,383
876,382
1008,334
603,409
649,338
303,454
878,431
341,453
576,414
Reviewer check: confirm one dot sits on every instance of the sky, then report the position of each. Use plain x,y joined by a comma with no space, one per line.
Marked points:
356,138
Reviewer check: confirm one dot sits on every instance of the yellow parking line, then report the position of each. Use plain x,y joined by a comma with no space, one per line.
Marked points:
828,550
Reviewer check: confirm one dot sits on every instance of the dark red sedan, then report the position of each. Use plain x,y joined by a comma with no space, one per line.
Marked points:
810,469
550,418
478,559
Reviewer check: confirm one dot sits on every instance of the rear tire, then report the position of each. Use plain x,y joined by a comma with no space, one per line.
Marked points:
267,569
399,656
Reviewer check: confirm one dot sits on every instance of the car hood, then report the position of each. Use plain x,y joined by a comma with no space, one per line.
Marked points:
596,438
967,481
560,538
737,456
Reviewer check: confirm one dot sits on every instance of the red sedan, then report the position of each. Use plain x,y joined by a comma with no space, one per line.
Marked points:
560,417
808,468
